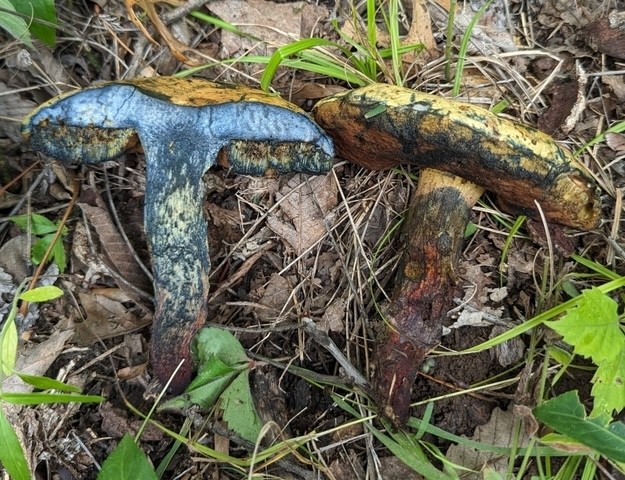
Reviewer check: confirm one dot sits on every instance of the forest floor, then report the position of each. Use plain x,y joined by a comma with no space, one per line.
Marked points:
289,247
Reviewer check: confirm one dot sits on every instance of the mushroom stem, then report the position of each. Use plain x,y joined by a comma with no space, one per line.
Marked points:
433,238
177,233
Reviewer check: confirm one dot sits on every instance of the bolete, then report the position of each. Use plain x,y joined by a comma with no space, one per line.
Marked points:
464,149
184,126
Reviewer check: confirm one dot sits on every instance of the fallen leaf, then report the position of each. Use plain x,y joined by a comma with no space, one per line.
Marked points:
277,24
106,318
276,297
498,431
333,319
13,106
306,204
115,247
36,360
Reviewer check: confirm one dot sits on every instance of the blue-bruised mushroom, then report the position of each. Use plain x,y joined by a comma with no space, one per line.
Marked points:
185,126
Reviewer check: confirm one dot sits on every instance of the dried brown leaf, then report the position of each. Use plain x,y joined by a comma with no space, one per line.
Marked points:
106,318
275,297
276,24
114,246
499,431
306,206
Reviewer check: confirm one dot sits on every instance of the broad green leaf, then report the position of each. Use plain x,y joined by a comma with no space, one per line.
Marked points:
15,25
127,462
11,454
57,255
42,18
239,410
42,294
8,347
220,357
592,327
609,385
566,415
46,383
38,224
220,343
213,378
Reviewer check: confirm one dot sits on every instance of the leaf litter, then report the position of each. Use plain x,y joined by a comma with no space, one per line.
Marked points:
331,256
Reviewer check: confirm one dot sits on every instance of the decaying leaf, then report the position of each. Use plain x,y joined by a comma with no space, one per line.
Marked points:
106,318
333,319
276,298
306,206
116,249
499,431
276,24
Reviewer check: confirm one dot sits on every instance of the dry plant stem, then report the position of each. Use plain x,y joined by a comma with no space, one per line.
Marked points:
433,238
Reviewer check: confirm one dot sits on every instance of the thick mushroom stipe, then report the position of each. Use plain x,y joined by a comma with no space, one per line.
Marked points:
182,124
381,126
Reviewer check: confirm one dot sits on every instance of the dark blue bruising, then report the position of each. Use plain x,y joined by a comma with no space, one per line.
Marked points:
177,231
125,107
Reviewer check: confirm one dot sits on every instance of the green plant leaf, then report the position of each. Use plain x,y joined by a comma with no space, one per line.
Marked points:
592,327
127,462
15,25
209,342
42,294
42,16
8,347
239,410
46,383
212,379
38,224
11,454
609,385
57,255
220,357
566,415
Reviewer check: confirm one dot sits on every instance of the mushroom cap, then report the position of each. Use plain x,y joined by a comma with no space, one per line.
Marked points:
381,126
102,122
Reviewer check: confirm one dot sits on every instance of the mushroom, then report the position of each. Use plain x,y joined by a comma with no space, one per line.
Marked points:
184,126
464,149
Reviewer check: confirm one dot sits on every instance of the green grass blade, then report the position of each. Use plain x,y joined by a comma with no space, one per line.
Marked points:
47,398
372,38
464,46
217,22
285,52
596,267
393,29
